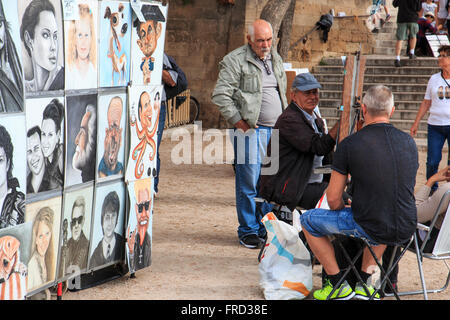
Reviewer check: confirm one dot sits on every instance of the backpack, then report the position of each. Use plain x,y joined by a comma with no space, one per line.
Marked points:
181,84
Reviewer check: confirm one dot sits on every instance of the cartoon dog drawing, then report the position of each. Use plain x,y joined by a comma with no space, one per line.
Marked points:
117,28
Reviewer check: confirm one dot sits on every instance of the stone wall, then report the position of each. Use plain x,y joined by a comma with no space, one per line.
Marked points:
345,37
201,32
198,35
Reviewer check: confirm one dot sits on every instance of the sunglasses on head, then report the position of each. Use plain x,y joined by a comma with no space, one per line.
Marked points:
141,206
78,220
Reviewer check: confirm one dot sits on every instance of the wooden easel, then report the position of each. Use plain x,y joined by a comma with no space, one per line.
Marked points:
351,95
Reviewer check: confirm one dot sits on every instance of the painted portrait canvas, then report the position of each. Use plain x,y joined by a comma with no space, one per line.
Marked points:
81,138
81,47
12,169
11,73
139,228
16,244
115,43
112,115
45,144
42,45
45,217
108,238
75,231
144,107
147,44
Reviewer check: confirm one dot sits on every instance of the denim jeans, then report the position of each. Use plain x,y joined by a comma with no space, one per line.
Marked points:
436,138
323,222
162,120
248,158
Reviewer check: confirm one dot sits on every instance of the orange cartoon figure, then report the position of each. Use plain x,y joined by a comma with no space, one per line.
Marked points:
13,273
146,113
149,33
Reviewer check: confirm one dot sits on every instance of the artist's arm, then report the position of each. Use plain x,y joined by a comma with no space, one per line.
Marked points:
335,190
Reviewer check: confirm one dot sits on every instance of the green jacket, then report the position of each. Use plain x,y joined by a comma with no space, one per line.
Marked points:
238,91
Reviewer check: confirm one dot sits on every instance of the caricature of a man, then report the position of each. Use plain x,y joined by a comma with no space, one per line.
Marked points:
85,145
109,165
149,33
139,241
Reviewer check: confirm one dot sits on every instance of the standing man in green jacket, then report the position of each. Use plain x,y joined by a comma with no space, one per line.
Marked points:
251,94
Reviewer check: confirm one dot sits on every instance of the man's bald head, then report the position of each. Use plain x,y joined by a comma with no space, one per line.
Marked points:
259,37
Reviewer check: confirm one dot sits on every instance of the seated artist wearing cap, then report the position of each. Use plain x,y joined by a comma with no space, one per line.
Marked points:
303,142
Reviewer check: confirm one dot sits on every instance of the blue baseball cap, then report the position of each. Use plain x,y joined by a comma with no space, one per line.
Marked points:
305,82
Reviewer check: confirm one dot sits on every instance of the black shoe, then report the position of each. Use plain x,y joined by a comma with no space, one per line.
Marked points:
375,30
387,288
251,241
412,56
397,63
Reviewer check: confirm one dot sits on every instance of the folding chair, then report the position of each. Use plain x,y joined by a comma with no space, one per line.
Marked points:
441,249
384,278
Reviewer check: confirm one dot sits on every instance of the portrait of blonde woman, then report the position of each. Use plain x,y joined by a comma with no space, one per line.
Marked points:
40,31
81,49
41,264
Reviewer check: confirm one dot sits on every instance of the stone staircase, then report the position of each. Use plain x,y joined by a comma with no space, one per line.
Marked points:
408,83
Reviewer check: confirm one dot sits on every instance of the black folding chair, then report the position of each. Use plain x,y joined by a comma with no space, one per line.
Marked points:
440,250
384,278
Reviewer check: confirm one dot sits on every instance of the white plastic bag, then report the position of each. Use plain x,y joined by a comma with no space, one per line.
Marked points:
285,268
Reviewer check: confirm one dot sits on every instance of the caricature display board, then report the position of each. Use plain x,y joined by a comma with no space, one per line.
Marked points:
42,54
11,81
144,107
80,91
112,115
45,144
108,238
147,44
45,217
115,43
16,242
81,138
139,228
81,46
77,214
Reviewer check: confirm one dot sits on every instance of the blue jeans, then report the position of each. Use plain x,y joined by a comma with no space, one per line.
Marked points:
436,138
247,159
323,222
162,120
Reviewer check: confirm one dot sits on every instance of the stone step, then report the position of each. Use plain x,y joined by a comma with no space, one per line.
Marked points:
398,96
404,126
397,115
382,60
395,87
395,78
399,105
404,70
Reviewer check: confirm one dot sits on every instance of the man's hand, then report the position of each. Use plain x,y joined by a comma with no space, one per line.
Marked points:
242,124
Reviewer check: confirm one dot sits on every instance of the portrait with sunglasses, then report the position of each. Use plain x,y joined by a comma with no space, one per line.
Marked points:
139,226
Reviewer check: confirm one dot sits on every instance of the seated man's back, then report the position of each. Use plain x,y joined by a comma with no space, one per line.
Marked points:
382,162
